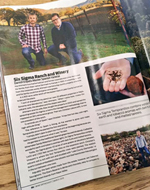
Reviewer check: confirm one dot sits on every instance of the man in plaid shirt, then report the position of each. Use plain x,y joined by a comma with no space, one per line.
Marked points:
33,34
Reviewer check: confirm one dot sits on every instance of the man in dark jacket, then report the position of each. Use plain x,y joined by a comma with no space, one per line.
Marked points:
64,39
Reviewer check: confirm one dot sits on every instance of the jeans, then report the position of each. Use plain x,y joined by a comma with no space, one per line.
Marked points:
75,56
146,150
39,56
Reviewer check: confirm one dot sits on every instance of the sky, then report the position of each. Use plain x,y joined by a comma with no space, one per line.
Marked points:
51,5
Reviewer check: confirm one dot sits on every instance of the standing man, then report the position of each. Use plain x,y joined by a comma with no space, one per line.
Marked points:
64,39
33,34
141,144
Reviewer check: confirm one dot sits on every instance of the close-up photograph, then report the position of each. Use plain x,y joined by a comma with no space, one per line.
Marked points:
115,80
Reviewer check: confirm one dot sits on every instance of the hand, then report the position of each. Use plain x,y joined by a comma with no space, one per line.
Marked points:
24,46
45,51
138,150
127,93
62,46
122,65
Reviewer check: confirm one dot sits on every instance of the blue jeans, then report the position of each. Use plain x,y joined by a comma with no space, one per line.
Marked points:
26,52
146,150
75,56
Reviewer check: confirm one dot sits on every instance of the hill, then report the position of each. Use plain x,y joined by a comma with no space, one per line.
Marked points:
50,11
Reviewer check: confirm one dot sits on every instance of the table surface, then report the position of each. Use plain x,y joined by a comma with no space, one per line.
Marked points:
138,180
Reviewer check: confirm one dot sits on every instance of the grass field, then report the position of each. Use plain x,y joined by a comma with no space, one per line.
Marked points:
105,45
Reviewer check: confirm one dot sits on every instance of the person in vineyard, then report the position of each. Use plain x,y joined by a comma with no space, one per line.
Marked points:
33,34
141,144
64,40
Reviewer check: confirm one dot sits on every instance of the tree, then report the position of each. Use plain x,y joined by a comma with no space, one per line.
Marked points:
83,7
27,11
76,9
44,18
90,5
124,134
19,17
99,3
62,13
69,12
7,14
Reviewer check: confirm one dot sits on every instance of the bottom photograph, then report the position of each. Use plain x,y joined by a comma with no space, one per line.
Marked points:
128,150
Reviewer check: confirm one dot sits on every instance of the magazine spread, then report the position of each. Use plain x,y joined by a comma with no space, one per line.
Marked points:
76,104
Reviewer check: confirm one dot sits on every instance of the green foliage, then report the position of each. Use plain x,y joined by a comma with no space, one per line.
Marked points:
131,133
124,134
118,14
115,137
28,11
104,138
19,18
7,14
143,129
44,18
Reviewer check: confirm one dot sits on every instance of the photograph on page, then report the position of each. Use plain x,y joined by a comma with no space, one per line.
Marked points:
115,80
51,35
128,150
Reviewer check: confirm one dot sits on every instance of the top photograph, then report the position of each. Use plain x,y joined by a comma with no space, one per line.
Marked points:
47,34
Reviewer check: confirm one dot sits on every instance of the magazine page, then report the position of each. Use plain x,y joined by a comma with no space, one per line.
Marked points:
136,15
70,80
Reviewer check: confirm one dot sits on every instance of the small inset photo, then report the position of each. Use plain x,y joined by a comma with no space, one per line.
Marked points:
127,150
115,80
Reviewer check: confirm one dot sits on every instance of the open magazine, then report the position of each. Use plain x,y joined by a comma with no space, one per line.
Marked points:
75,100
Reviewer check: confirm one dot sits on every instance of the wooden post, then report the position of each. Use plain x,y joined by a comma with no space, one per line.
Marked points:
70,19
90,24
82,32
